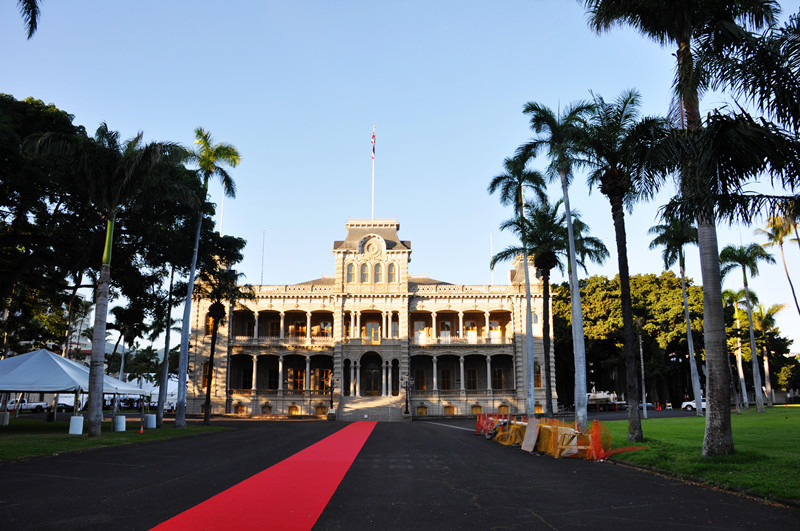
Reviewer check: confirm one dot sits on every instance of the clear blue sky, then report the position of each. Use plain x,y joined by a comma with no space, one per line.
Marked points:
296,87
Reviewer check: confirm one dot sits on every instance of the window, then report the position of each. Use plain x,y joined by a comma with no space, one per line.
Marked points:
395,329
274,329
209,324
419,379
378,272
299,329
447,380
497,379
364,274
350,275
272,379
472,379
537,374
449,410
326,329
390,273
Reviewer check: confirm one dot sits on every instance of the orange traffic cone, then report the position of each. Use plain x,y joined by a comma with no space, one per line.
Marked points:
141,428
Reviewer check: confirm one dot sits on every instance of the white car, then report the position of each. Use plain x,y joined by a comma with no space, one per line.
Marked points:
690,405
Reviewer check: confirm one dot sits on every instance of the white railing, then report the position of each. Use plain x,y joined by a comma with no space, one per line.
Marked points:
459,288
276,341
422,341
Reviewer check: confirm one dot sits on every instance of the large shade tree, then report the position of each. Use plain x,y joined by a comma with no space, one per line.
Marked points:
673,236
746,259
557,135
211,158
683,24
114,173
218,283
511,185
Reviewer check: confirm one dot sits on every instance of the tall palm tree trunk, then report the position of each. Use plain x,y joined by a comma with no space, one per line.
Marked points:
753,351
97,359
183,359
698,393
207,415
163,385
548,373
739,367
767,381
529,353
718,437
579,349
629,335
791,285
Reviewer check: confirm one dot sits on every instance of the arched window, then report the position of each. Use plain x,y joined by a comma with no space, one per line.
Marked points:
364,273
390,274
350,274
209,324
378,273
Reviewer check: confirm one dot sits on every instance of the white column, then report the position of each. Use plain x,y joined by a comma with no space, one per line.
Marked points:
489,373
358,380
280,367
486,329
358,326
460,325
308,325
435,372
385,328
255,328
307,382
461,362
352,379
383,379
281,331
253,385
435,332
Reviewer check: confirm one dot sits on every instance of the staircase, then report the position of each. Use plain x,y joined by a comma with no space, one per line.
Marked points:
383,408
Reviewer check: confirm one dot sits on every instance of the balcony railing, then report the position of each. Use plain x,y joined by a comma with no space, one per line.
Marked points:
429,393
429,341
322,341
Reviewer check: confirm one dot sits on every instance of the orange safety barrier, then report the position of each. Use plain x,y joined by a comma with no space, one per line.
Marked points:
553,436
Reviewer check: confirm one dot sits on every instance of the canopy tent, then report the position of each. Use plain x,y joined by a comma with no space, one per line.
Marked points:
44,372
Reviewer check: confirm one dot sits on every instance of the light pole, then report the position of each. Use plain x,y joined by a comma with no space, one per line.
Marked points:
405,379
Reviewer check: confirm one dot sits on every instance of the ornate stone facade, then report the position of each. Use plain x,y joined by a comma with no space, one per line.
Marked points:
372,330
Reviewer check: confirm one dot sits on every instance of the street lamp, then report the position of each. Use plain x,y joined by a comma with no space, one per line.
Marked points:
407,382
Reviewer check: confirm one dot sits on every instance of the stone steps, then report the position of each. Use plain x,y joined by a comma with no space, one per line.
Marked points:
380,408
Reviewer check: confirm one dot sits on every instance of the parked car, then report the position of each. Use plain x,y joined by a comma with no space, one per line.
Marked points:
690,405
24,405
66,403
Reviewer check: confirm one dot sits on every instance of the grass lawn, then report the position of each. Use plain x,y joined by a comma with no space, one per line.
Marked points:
766,460
29,437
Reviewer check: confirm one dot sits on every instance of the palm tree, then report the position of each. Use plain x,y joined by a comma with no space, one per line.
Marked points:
558,135
673,236
546,239
764,322
511,184
681,25
115,172
735,298
29,9
211,158
218,283
778,229
616,143
747,259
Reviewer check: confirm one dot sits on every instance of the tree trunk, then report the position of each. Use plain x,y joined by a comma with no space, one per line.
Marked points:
548,377
767,381
579,349
791,285
163,385
696,390
183,359
739,367
718,437
629,335
753,350
95,407
207,415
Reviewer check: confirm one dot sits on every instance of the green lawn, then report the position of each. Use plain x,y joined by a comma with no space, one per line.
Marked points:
766,459
29,437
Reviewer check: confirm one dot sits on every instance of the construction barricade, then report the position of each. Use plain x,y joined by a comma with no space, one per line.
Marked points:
551,436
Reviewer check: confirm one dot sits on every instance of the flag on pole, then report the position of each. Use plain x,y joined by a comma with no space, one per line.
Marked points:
373,142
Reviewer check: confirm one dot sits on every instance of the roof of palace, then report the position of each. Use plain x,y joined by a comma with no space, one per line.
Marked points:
357,231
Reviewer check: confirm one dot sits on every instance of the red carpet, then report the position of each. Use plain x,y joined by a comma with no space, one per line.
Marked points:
289,495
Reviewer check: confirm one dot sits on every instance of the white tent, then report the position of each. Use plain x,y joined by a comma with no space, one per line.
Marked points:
44,372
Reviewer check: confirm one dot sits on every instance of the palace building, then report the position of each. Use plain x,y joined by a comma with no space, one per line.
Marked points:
369,338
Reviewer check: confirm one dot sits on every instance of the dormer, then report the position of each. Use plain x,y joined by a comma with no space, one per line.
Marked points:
372,259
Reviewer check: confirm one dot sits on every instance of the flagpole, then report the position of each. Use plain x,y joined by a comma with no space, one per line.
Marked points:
373,172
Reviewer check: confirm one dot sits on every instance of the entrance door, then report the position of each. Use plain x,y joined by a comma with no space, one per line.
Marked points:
371,375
